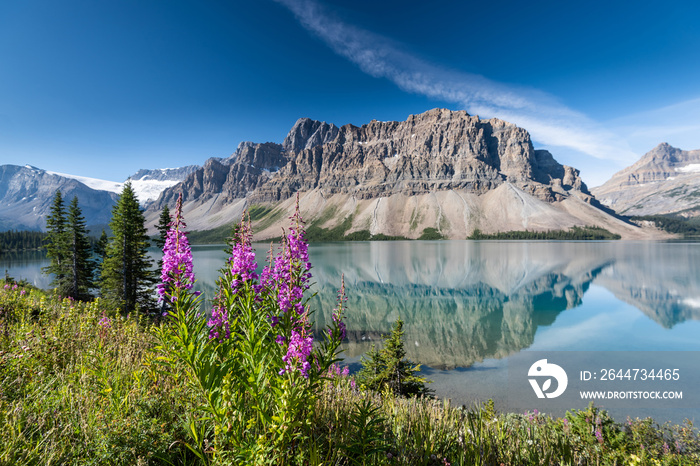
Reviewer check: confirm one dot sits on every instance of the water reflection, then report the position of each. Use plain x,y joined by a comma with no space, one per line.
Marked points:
464,301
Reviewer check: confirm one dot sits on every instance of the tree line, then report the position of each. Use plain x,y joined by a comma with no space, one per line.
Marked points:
589,233
21,240
116,267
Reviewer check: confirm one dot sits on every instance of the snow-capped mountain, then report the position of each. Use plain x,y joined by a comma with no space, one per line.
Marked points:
26,193
147,184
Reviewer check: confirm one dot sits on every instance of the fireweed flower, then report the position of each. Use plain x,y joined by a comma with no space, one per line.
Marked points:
219,326
241,266
242,261
177,273
300,346
288,277
105,322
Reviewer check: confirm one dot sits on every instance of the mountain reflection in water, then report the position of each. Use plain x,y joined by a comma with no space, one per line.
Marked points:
464,301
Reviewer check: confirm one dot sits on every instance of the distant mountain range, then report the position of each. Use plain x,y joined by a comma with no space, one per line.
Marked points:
666,180
26,193
442,170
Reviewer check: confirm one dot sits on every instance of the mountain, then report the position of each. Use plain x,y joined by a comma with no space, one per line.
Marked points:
440,169
148,184
26,194
666,180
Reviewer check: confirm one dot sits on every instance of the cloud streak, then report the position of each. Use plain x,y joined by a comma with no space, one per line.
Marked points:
549,122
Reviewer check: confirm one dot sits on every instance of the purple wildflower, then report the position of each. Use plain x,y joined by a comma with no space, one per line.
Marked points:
23,292
288,275
242,260
105,322
177,273
241,267
300,346
599,436
219,326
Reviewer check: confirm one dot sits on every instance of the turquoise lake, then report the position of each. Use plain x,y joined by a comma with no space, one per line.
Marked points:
472,308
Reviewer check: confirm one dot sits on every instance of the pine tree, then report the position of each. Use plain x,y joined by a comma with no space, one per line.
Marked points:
80,265
127,276
57,244
163,227
101,246
388,368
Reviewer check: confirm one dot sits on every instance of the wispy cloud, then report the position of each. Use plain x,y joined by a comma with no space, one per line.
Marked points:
549,122
677,124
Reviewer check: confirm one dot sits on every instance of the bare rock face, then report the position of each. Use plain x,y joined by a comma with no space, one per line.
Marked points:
233,178
307,133
440,169
436,150
666,180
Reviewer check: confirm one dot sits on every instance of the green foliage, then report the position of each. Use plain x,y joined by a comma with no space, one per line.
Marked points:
57,243
217,235
162,227
365,235
80,384
431,234
672,224
388,369
79,266
126,275
74,389
69,250
314,233
588,233
100,246
22,240
257,212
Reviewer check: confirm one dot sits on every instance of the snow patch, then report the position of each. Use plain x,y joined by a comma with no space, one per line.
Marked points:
94,183
144,189
692,302
691,168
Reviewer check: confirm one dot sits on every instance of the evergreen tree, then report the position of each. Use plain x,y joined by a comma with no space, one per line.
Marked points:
387,369
80,266
101,246
163,227
127,275
57,244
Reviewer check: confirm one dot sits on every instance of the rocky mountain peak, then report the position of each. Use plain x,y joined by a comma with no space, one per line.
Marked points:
665,180
436,150
307,133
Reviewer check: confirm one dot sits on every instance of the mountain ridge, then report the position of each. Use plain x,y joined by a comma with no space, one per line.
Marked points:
439,169
665,180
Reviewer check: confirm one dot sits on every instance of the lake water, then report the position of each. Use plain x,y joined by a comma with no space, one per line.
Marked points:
474,311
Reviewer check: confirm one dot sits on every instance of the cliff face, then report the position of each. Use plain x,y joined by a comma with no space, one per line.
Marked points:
434,151
439,169
226,180
665,180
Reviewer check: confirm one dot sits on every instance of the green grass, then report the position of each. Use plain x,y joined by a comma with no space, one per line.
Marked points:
75,392
574,234
257,212
217,235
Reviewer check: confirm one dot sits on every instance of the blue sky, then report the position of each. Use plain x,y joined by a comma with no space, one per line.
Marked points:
102,89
